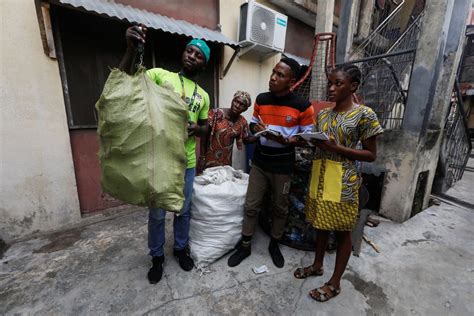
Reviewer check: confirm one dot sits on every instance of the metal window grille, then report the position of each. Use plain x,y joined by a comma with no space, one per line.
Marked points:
456,145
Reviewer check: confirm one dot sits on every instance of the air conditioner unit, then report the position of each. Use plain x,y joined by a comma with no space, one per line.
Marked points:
261,29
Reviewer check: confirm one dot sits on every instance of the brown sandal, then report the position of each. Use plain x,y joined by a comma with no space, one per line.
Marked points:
324,293
303,273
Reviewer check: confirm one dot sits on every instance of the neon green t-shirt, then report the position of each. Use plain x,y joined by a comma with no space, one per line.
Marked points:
196,111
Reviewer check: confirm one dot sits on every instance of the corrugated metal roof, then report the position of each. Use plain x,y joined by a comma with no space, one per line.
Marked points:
152,20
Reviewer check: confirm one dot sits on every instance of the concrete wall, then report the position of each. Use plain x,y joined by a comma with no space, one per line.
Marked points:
452,53
38,187
346,29
406,153
301,35
247,73
470,119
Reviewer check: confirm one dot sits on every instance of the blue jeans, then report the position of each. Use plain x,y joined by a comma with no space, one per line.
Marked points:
156,221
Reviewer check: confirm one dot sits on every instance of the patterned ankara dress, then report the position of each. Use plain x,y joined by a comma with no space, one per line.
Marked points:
333,196
223,134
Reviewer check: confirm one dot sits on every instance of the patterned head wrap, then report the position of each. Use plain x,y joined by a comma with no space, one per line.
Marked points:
245,96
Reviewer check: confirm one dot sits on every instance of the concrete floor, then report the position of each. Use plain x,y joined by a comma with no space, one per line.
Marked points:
425,267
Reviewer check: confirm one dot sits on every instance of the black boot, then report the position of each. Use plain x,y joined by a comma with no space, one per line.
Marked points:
185,261
242,252
156,271
275,253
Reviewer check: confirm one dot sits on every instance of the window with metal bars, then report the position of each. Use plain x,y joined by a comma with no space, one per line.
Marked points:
88,46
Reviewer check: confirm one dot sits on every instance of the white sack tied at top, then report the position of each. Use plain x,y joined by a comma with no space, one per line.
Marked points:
217,209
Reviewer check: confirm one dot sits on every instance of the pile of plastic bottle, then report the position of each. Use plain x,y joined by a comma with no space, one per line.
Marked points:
298,233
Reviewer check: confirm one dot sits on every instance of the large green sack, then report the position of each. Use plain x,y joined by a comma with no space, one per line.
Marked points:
142,131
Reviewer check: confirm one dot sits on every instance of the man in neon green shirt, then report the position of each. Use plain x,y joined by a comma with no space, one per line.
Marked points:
194,58
195,96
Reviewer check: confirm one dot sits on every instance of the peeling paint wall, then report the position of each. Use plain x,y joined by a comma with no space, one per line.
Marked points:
452,53
406,153
396,155
38,187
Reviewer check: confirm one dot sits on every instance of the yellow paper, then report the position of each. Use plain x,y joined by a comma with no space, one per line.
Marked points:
315,172
332,181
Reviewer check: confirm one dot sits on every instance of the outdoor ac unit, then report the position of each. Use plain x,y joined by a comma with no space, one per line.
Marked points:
261,29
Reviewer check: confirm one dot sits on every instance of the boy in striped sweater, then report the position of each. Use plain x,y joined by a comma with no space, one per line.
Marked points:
283,112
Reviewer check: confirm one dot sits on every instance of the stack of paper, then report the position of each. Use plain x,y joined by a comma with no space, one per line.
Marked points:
313,135
269,131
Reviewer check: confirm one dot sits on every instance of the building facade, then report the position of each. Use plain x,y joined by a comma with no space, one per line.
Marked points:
55,58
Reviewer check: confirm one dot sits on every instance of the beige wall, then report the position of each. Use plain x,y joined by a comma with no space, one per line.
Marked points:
37,182
38,188
246,73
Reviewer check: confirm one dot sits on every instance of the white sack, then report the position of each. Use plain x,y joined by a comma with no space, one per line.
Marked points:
217,209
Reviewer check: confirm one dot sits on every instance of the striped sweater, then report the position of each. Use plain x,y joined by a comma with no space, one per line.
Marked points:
288,115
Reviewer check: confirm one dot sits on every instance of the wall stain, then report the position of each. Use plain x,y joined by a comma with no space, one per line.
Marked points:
51,274
397,163
61,240
431,139
3,248
376,298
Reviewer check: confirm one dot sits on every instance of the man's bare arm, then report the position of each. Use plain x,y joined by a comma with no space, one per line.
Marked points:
135,36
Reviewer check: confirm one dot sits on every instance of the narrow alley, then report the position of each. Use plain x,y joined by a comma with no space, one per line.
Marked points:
425,267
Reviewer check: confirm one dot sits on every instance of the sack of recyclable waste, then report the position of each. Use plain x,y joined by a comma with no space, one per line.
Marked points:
217,210
142,131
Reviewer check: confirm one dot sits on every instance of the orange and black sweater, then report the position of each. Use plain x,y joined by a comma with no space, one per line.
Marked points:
289,115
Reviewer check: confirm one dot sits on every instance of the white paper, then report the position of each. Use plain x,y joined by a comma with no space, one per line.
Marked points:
269,131
313,135
261,269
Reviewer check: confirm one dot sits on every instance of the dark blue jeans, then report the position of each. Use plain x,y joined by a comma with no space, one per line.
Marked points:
156,221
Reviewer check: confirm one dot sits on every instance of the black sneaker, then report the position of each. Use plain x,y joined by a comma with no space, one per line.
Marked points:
276,255
185,261
156,271
240,254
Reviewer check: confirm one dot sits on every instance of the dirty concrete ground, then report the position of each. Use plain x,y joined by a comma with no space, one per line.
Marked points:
425,267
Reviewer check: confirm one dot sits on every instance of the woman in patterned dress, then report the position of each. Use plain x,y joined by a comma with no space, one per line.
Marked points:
333,196
225,127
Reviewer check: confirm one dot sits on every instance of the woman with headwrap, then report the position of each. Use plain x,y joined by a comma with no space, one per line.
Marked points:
225,127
